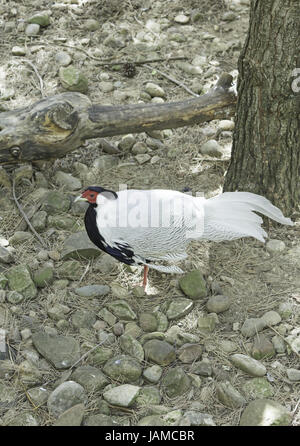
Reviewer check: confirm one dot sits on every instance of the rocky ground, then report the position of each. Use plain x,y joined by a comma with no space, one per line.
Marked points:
80,341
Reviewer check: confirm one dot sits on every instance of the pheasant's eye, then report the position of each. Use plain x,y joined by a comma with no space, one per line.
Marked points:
92,195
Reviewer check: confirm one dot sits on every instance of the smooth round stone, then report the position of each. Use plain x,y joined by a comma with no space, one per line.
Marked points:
248,365
181,19
92,290
32,29
218,304
252,326
62,58
293,374
123,395
127,142
66,395
226,125
265,412
154,90
160,352
271,318
91,25
148,322
153,373
18,51
211,148
123,368
41,19
274,246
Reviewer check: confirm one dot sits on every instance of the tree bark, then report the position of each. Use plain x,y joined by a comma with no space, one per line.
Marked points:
54,126
266,142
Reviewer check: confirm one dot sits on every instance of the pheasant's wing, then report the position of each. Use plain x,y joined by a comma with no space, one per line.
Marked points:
154,224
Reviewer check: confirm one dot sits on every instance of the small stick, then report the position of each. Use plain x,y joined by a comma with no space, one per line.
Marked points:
30,214
172,79
143,62
296,407
85,272
37,74
86,354
25,217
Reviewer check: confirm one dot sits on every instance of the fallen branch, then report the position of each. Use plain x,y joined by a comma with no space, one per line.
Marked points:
54,126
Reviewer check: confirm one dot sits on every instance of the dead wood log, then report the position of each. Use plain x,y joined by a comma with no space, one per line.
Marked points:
56,125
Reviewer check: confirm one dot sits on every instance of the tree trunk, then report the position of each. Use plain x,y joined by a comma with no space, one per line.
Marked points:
266,141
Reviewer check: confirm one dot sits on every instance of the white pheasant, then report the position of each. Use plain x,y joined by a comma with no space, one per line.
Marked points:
146,226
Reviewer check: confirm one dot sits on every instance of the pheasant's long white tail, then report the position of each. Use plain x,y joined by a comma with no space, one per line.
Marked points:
229,216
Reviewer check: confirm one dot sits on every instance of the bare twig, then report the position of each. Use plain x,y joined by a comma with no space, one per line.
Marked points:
37,74
296,407
172,79
86,354
109,61
146,61
30,214
25,217
84,273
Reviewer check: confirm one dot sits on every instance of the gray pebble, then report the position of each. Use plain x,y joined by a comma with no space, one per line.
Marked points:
211,148
274,246
252,326
123,396
248,364
153,373
293,374
271,318
32,29
229,396
66,395
218,304
63,59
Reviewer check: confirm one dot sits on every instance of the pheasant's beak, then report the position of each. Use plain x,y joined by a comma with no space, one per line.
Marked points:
80,198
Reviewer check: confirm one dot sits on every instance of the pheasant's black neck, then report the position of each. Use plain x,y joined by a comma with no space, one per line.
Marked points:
122,253
91,226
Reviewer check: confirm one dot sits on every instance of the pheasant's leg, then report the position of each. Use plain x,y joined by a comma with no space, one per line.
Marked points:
146,269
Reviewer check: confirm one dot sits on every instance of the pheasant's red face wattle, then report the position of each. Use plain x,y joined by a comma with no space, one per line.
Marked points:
90,195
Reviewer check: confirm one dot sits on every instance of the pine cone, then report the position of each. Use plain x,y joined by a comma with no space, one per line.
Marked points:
129,69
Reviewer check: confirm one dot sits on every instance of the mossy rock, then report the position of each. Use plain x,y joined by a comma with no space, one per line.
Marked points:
193,285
